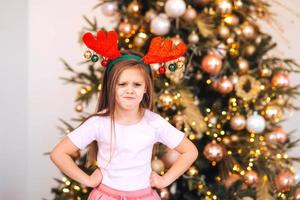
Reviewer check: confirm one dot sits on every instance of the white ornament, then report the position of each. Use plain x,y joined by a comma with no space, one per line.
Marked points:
193,38
109,9
160,25
175,8
256,123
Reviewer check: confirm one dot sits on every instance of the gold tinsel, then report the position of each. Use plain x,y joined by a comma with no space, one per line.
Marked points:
252,92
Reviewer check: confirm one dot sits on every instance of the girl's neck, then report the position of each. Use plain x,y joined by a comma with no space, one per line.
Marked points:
128,116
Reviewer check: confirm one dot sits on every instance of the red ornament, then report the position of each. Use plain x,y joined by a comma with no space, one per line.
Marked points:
162,70
104,62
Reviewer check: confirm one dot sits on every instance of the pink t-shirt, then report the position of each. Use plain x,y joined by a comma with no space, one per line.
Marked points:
130,165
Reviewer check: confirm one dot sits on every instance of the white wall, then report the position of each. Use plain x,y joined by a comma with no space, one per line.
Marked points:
33,35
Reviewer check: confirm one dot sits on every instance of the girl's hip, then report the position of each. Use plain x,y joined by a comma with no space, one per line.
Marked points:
103,192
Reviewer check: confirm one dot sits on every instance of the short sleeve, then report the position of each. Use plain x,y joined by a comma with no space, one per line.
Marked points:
168,134
85,133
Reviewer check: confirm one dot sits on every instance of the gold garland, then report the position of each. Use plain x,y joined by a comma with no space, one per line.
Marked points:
253,91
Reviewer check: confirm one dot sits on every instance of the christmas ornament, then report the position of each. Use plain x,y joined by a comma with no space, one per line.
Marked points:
175,70
134,8
213,151
273,113
87,54
109,8
243,66
253,88
224,86
169,157
155,66
95,58
251,178
162,70
125,28
238,4
166,100
193,38
248,31
190,14
233,49
164,194
238,122
79,107
256,123
211,64
280,79
157,165
277,136
150,14
249,50
223,31
192,171
140,39
231,19
284,181
175,8
104,62
224,6
160,25
234,78
297,194
265,72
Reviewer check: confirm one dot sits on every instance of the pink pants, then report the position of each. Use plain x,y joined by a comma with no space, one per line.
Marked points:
103,192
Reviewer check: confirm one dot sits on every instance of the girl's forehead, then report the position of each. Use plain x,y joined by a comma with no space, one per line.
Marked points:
132,74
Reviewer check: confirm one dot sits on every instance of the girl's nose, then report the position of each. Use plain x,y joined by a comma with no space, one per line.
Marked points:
129,89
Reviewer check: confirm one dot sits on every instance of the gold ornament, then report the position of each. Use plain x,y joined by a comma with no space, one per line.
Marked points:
231,19
273,113
140,39
251,93
277,136
238,4
213,151
87,54
251,178
169,157
224,85
234,49
164,194
177,75
238,122
192,171
193,38
166,100
248,30
243,66
249,50
190,14
125,28
280,79
223,31
284,181
134,8
157,165
234,78
224,6
297,194
211,64
265,72
79,107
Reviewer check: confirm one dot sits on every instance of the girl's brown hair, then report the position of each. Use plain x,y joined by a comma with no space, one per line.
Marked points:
106,100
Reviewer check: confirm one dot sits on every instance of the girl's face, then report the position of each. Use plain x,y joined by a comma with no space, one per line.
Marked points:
130,89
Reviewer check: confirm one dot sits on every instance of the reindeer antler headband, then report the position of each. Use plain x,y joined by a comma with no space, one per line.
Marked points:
106,44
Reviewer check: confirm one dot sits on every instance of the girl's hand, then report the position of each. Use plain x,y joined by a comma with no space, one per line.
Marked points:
157,181
95,179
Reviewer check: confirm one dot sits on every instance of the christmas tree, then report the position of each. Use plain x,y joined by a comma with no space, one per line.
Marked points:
228,94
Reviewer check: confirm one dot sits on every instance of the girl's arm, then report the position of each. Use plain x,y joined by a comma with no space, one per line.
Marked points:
61,157
188,154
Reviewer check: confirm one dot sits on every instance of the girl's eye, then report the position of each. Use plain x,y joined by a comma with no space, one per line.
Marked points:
122,84
137,84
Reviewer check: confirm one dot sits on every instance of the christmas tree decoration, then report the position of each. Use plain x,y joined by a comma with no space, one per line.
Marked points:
231,20
192,171
297,194
238,122
251,178
193,38
225,85
87,54
104,62
224,6
213,151
166,100
277,136
243,66
253,88
175,8
256,123
109,8
248,31
150,14
79,107
190,14
224,31
175,70
284,180
157,165
280,79
273,113
125,28
265,72
249,50
140,39
211,64
95,58
160,25
134,8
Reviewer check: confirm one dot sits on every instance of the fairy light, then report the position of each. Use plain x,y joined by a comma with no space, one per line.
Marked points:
208,110
215,197
219,126
219,139
83,91
213,163
64,179
215,135
67,182
76,187
279,156
66,190
167,84
208,81
99,87
229,152
224,112
127,40
240,151
130,46
192,136
242,172
222,132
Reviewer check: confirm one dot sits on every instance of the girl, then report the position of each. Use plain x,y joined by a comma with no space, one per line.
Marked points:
125,130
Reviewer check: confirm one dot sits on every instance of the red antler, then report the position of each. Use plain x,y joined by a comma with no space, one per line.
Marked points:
162,51
105,46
